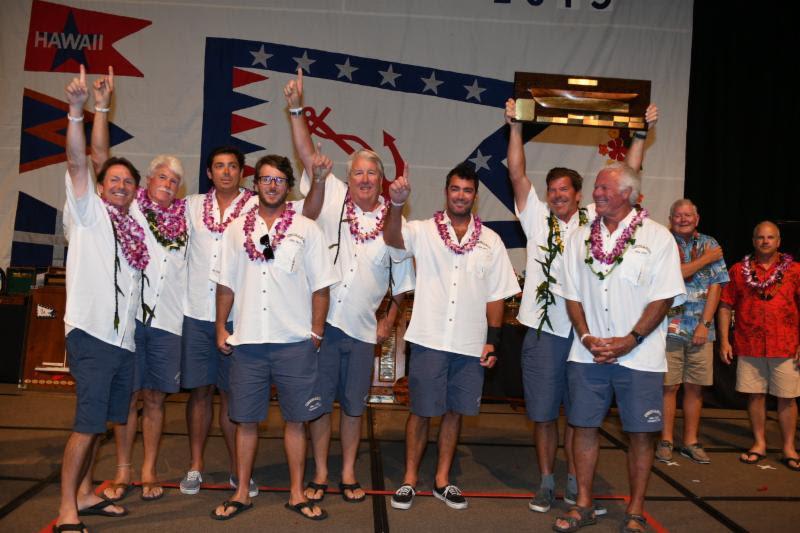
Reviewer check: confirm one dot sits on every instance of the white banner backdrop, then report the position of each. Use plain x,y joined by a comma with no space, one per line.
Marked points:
420,81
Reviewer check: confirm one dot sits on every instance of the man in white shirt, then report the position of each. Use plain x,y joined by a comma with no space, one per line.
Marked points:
351,217
547,226
621,274
203,366
463,276
274,273
104,267
156,369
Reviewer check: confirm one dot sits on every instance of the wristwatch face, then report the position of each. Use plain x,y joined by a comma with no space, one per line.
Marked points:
708,324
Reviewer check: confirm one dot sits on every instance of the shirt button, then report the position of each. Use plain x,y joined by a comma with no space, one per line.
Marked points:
454,284
264,291
456,267
351,270
265,309
450,319
452,301
338,301
606,309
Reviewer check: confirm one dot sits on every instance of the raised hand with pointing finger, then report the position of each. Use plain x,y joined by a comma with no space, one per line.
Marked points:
400,189
293,91
321,165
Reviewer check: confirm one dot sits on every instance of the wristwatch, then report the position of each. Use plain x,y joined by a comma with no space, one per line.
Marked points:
708,324
639,338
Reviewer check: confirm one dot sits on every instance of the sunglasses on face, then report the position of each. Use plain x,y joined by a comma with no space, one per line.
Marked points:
269,180
268,253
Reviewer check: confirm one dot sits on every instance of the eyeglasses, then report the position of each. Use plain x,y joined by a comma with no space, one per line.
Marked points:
268,253
269,180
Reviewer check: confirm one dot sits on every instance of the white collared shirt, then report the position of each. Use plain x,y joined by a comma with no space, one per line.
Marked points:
165,286
90,272
204,249
453,289
534,220
362,267
650,271
272,299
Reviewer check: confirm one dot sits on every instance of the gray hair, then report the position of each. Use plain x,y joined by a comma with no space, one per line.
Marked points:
166,160
628,179
369,155
680,202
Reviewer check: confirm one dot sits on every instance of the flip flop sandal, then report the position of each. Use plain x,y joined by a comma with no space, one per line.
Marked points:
126,488
315,487
80,526
792,463
150,486
98,509
587,518
639,519
352,487
239,508
752,458
298,508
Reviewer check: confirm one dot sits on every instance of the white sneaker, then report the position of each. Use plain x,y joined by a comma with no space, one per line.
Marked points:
252,488
191,482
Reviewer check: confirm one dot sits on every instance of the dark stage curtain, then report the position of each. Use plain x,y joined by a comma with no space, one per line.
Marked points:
742,152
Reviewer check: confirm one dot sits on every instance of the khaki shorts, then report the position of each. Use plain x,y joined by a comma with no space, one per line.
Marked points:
777,375
688,363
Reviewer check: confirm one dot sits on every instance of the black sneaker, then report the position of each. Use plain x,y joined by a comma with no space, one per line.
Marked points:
451,496
403,497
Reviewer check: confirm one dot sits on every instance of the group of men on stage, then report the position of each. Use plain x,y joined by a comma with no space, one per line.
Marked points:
239,289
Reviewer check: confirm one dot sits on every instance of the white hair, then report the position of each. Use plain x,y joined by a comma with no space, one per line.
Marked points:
628,179
166,160
680,202
369,155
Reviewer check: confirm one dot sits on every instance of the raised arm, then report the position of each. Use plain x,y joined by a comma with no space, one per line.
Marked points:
635,155
102,89
399,191
321,166
77,94
300,134
516,157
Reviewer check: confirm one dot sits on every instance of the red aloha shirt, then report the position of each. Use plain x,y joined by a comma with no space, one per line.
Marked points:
765,328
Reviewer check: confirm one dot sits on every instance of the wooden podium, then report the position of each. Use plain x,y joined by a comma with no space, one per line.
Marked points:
45,353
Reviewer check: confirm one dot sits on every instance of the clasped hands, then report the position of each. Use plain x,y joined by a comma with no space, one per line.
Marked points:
606,350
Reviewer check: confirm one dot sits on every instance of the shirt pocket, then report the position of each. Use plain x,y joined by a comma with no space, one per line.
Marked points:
479,262
634,268
378,255
289,254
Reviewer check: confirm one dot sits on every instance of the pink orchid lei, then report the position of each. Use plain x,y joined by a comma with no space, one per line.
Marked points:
208,206
167,224
761,287
130,236
594,244
282,225
438,218
355,228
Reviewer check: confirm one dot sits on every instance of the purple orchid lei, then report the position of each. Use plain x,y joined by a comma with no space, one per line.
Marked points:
761,287
208,206
282,225
594,244
355,228
167,224
438,218
130,236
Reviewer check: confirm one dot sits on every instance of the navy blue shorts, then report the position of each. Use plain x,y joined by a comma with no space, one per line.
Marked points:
103,381
544,374
158,360
293,369
345,371
439,382
201,363
639,396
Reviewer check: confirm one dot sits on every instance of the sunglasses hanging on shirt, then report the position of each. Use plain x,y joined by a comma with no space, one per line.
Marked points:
268,253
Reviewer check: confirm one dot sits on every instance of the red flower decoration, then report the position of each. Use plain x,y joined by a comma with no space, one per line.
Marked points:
616,149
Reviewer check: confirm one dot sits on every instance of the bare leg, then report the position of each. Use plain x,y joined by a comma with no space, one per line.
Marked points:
246,444
787,419
546,437
569,436
640,461
198,420
586,447
692,406
757,409
76,453
294,442
670,401
124,437
229,432
416,441
448,440
152,425
320,430
350,435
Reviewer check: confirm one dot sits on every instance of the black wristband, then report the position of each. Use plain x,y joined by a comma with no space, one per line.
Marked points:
493,336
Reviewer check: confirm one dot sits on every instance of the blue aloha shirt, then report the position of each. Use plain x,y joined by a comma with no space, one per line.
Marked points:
691,311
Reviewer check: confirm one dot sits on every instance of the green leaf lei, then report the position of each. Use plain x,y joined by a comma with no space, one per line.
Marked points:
555,246
170,244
